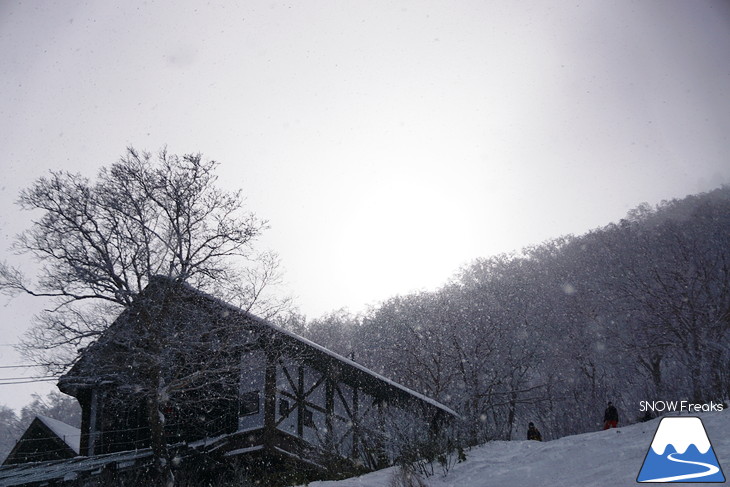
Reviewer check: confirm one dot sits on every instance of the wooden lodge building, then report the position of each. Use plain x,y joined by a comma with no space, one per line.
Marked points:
238,388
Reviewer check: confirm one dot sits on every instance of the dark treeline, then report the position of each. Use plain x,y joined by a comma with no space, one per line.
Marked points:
638,310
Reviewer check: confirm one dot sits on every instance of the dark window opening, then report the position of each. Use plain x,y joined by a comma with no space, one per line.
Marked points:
249,403
308,419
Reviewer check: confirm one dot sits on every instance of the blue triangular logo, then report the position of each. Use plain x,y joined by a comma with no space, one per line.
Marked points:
681,452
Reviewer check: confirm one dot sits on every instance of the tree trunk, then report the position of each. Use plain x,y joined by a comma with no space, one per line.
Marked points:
512,413
162,476
153,320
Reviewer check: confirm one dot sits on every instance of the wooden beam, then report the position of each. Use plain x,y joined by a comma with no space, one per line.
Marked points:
93,422
301,398
270,399
329,405
355,423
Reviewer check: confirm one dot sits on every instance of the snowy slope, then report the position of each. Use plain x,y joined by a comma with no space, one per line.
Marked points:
600,459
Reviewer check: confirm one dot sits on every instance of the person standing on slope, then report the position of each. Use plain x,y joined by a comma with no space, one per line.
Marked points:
533,433
610,417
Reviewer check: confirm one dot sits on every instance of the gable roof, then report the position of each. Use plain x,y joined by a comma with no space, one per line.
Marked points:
349,370
45,439
69,434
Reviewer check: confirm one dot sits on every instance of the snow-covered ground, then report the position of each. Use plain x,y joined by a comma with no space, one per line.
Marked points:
601,459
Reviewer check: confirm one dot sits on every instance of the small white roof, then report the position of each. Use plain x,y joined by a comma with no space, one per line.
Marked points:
70,435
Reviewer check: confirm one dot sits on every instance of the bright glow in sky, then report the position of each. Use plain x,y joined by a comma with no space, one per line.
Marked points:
388,143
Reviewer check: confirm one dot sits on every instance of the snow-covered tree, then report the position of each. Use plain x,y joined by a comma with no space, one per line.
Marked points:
632,311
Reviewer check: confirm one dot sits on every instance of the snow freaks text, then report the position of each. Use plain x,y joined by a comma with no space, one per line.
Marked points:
678,406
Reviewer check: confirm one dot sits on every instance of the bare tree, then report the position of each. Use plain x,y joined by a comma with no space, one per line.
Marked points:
10,430
54,405
100,243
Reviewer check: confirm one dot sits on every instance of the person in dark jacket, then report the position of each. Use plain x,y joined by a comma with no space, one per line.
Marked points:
533,433
610,417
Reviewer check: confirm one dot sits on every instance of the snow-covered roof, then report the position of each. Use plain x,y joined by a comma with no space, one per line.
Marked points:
364,369
70,435
323,350
70,380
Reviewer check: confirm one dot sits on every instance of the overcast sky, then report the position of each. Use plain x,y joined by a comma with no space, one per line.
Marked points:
387,142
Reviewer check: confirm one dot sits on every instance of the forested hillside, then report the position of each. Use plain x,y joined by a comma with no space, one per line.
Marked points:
637,310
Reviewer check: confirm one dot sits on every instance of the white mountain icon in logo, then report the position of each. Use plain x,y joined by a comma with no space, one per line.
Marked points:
681,452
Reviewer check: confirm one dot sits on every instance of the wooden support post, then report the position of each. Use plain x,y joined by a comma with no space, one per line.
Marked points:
270,401
329,401
301,398
383,457
355,423
89,423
